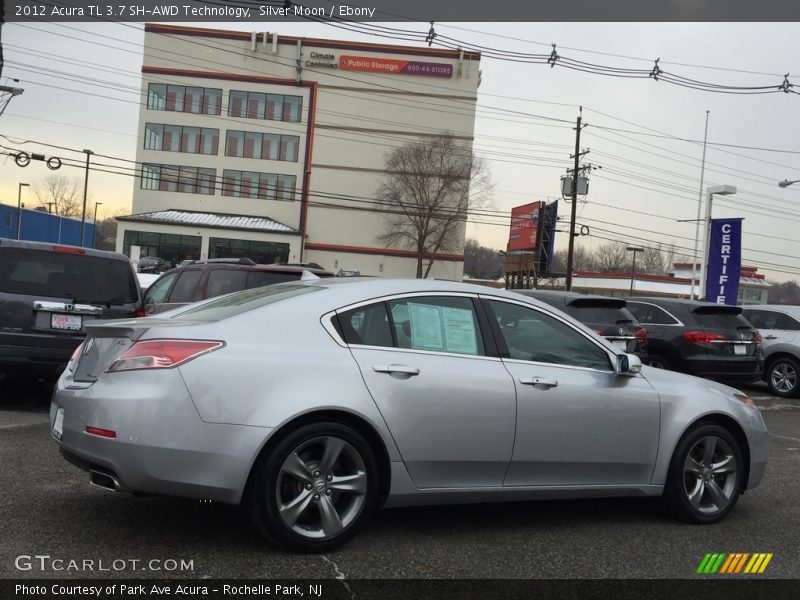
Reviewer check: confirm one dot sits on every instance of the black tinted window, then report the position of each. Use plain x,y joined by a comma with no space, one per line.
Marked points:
64,275
225,281
367,325
650,314
185,289
762,319
157,293
788,323
720,320
600,314
535,336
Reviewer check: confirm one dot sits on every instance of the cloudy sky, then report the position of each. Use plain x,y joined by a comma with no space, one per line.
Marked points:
82,82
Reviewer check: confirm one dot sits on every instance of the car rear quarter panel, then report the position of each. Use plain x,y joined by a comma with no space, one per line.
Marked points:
685,400
277,365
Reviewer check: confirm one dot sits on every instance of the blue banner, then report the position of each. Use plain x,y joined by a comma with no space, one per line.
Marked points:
724,261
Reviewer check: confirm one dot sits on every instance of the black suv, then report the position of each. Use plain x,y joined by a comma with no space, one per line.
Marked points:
48,292
607,316
206,279
700,338
153,264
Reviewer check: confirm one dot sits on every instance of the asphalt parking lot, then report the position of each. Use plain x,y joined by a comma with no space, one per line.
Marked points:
49,509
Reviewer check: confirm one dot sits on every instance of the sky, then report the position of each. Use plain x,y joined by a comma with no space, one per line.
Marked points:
645,137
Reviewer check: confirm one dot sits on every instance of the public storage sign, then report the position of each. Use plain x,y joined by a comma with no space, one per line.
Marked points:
724,261
394,66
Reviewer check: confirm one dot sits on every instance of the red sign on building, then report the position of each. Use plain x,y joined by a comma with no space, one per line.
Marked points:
524,233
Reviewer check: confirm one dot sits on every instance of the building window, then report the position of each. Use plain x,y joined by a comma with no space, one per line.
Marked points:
174,178
270,146
256,105
180,98
263,186
166,245
260,252
174,138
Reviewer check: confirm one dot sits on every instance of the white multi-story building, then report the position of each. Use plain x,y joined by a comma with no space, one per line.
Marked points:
273,147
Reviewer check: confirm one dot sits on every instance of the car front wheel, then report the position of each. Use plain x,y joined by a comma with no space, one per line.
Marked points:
315,489
783,377
705,475
659,362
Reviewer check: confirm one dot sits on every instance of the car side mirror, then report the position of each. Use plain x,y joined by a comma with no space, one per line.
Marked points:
628,365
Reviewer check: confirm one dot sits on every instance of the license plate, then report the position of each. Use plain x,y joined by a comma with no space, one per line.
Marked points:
739,349
621,344
58,423
67,322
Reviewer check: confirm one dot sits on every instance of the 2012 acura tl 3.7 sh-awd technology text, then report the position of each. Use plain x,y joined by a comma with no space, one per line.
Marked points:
315,402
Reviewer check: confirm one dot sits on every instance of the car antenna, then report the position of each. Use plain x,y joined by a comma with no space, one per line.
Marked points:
308,276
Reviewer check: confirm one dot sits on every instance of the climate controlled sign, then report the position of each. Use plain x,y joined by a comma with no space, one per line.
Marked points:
724,261
394,67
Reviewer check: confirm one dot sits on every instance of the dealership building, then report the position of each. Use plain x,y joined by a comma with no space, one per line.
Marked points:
273,147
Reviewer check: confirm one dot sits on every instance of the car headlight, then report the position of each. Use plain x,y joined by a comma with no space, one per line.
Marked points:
745,399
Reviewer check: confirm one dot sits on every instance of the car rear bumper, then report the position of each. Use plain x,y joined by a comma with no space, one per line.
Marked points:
44,361
744,370
161,445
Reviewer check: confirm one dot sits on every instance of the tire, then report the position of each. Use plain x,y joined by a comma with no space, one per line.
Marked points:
658,362
783,377
697,493
331,501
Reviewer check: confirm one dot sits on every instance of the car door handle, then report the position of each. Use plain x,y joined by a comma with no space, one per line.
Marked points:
548,383
771,337
392,369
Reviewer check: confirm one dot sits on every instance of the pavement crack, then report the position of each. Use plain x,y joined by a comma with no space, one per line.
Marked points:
339,575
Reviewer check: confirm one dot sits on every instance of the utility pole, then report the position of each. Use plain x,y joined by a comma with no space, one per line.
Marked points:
85,189
572,217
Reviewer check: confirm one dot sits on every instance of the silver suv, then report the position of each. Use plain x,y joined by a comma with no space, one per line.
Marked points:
779,327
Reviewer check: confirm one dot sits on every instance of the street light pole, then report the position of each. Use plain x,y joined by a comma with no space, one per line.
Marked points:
699,208
633,249
719,190
19,208
94,231
85,189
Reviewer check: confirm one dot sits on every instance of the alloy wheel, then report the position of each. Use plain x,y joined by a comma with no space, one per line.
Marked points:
321,487
710,475
783,377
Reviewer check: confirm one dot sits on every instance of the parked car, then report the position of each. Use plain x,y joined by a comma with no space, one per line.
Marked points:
152,264
316,401
605,315
700,338
48,293
206,279
779,327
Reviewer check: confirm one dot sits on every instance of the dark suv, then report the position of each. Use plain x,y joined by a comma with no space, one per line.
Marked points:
206,279
607,316
700,338
48,292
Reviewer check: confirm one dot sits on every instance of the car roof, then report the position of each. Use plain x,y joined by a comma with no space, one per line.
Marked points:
789,309
685,303
222,266
53,247
575,299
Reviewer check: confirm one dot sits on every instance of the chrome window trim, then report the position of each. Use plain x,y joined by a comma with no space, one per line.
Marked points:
611,356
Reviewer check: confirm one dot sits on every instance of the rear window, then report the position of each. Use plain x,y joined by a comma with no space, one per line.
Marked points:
600,314
247,300
721,320
261,278
59,275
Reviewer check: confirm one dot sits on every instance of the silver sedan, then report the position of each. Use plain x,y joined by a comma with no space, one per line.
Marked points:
315,402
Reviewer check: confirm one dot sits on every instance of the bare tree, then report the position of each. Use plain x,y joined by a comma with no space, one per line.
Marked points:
432,186
481,262
59,194
582,260
611,256
659,259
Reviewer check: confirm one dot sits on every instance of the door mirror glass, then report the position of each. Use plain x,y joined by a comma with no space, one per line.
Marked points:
628,364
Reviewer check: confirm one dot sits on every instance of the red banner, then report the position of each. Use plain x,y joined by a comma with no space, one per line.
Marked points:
524,233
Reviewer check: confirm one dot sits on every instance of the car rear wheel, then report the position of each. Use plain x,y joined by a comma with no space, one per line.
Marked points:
705,475
659,362
783,377
315,489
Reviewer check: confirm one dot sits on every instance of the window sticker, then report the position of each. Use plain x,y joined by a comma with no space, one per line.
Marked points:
442,328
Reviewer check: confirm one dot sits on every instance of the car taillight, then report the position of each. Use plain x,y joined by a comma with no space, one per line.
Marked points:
139,313
641,334
756,337
599,331
75,354
68,250
162,354
702,337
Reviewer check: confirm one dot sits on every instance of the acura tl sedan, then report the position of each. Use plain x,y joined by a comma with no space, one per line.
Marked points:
317,401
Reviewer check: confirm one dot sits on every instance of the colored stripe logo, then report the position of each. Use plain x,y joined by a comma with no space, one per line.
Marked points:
734,563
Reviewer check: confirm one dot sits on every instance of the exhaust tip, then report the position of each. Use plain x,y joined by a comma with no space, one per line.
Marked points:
105,481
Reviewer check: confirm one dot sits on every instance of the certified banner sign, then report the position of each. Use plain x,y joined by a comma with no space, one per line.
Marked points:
724,261
394,66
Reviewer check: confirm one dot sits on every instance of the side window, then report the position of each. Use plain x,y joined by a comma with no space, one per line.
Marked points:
788,323
534,336
157,293
186,287
225,281
437,323
642,312
762,319
260,278
367,325
662,317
